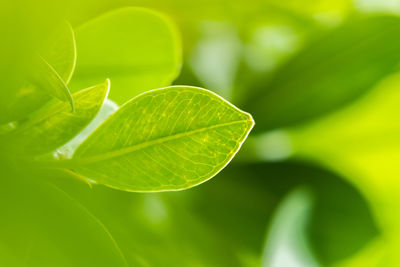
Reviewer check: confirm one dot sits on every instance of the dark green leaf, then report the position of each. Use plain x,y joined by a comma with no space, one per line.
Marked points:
328,73
341,222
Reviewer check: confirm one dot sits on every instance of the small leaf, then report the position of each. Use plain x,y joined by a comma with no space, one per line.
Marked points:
45,77
59,52
166,139
138,49
56,125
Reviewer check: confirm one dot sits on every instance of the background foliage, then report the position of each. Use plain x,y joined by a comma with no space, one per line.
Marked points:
315,184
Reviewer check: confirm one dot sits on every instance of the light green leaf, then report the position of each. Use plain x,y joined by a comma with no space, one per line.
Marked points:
56,63
60,51
45,77
362,143
55,125
59,55
43,226
138,49
166,139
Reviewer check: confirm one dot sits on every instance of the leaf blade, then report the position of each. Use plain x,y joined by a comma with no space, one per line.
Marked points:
59,50
47,78
135,58
158,129
321,78
56,125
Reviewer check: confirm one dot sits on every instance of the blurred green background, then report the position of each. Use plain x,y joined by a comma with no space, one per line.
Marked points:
316,183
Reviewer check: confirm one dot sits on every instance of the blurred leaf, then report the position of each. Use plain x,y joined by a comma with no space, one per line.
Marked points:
51,72
43,226
55,65
154,229
248,194
136,48
329,73
45,77
60,51
362,143
55,125
286,243
165,139
215,57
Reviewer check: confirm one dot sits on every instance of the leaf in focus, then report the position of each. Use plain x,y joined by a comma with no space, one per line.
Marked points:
55,125
166,139
52,74
136,48
328,73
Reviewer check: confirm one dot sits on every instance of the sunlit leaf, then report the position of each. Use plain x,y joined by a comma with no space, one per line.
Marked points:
136,48
166,139
56,124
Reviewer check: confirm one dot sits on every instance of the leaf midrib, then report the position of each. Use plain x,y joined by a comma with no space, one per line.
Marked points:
130,149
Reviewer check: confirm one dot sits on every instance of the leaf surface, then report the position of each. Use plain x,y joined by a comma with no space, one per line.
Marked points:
43,226
55,125
166,139
328,73
45,77
138,49
60,51
52,72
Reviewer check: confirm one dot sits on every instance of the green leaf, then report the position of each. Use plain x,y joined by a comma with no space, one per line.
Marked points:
362,143
328,73
43,226
45,77
60,51
59,55
248,194
166,139
55,125
136,48
153,228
